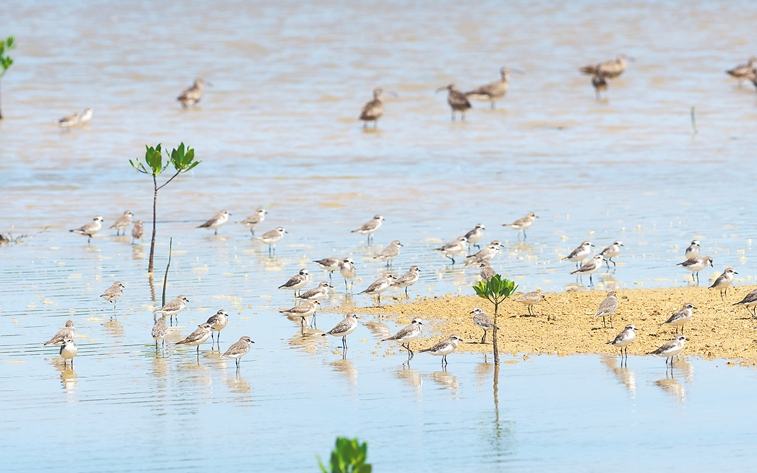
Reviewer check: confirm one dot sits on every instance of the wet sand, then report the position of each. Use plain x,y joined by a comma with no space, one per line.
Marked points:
718,329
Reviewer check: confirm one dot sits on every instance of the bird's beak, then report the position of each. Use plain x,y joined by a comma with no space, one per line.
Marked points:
735,272
252,341
440,89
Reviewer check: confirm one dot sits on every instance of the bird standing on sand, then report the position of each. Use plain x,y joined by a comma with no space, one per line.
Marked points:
623,339
607,308
444,348
391,251
492,91
137,230
344,328
348,271
192,95
329,265
217,322
255,219
482,320
297,282
408,279
724,281
370,227
373,110
454,248
173,307
89,229
695,265
475,235
66,332
198,337
113,293
590,267
523,223
272,237
378,286
681,316
750,303
530,299
68,351
457,101
670,349
405,334
216,221
611,252
238,349
159,331
123,222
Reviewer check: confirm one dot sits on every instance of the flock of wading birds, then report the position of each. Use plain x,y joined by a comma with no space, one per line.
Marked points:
307,302
458,101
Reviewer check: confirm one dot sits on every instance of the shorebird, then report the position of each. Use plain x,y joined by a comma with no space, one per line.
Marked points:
254,219
113,293
122,222
483,321
724,281
329,265
66,332
68,351
743,72
370,227
522,223
611,252
217,322
607,308
474,236
486,271
609,69
457,100
198,337
216,221
344,328
297,282
348,271
159,330
692,251
238,349
444,348
681,316
530,299
485,254
408,279
391,251
191,95
590,267
623,339
599,82
580,253
89,229
405,334
454,248
271,237
492,91
319,292
173,307
373,110
85,116
670,349
378,286
137,230
76,119
302,311
750,302
695,265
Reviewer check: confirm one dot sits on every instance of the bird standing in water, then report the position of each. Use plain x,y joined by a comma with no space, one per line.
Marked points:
373,110
492,91
457,101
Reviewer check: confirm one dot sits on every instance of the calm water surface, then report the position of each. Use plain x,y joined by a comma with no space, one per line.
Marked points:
278,129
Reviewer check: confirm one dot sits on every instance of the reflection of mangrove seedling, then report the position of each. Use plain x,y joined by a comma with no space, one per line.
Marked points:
153,164
348,456
495,289
5,61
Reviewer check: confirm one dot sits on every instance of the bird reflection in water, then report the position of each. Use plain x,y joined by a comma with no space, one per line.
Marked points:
345,368
114,328
622,373
446,380
671,386
410,377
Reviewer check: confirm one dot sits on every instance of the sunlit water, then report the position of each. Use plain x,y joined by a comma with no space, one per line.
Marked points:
278,129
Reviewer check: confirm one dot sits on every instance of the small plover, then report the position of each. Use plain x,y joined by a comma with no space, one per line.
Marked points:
408,279
192,94
272,237
68,351
76,119
405,334
348,271
695,265
373,109
303,311
530,299
444,348
391,251
482,320
329,265
370,227
123,222
454,248
744,72
378,286
486,271
486,254
173,307
750,302
297,282
344,328
590,267
238,349
623,339
475,235
255,219
607,308
198,337
216,221
113,293
89,229
681,316
159,330
611,252
66,332
217,322
724,281
580,253
319,292
523,223
692,251
670,349
137,231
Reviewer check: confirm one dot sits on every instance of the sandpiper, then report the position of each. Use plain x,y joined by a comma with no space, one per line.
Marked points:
599,82
405,334
391,251
590,267
609,69
348,271
137,230
454,248
457,100
623,339
408,279
474,236
113,293
670,349
216,221
319,292
173,307
159,330
724,281
198,337
344,328
302,311
492,91
695,265
217,322
523,223
743,72
238,349
482,320
486,271
378,286
272,237
123,222
681,316
297,282
370,227
611,252
373,110
444,348
68,351
580,253
607,308
329,265
89,229
255,219
191,95
692,251
485,254
530,299
76,119
66,332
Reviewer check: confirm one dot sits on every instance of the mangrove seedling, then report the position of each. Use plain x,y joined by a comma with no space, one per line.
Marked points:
5,61
348,456
495,289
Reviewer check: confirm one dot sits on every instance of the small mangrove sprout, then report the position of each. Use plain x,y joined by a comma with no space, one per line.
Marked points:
495,289
5,61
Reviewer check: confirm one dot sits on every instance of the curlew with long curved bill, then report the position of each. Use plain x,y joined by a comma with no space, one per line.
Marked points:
373,110
457,100
492,91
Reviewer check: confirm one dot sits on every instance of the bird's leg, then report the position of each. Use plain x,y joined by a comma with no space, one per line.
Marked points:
483,339
614,264
603,322
591,280
492,104
344,342
215,232
406,294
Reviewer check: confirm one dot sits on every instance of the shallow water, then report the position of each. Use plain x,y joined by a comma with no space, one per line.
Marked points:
278,129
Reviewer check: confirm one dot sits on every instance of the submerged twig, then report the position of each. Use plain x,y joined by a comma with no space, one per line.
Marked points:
693,114
165,276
